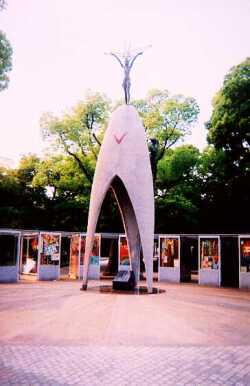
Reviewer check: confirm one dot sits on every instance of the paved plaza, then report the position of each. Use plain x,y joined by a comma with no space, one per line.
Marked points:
51,333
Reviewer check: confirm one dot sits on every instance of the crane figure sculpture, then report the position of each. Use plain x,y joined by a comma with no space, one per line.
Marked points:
126,60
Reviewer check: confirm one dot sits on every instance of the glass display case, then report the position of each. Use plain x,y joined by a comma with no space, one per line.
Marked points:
50,249
29,253
74,259
94,263
245,254
124,261
49,256
244,260
8,249
209,257
169,261
169,252
209,253
9,255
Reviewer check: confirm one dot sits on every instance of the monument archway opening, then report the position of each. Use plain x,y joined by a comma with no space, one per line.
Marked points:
129,222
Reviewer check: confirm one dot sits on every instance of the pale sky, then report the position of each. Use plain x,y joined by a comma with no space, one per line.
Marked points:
59,50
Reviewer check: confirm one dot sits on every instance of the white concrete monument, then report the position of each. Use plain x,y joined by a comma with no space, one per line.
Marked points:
124,165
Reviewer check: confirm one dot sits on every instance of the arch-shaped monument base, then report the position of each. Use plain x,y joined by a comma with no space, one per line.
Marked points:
124,165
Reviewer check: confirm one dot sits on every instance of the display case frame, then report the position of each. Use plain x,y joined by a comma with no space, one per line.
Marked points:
209,276
48,271
123,267
75,274
244,277
28,235
165,273
94,269
10,272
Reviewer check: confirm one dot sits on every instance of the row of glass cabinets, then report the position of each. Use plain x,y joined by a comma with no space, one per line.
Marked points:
205,259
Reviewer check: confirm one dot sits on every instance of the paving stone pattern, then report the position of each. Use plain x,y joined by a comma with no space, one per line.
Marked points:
121,365
51,333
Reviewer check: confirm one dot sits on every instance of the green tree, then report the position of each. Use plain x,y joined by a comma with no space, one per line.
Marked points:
229,126
225,200
5,55
79,132
27,169
62,179
167,120
212,186
229,133
68,192
178,198
9,194
5,60
22,205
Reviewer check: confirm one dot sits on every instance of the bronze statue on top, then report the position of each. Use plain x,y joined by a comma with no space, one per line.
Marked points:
126,60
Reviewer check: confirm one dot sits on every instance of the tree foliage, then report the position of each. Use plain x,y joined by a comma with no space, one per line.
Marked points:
5,55
22,205
5,61
229,126
194,191
167,120
78,132
228,184
178,190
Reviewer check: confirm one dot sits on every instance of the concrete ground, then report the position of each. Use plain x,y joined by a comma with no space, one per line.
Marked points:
53,333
